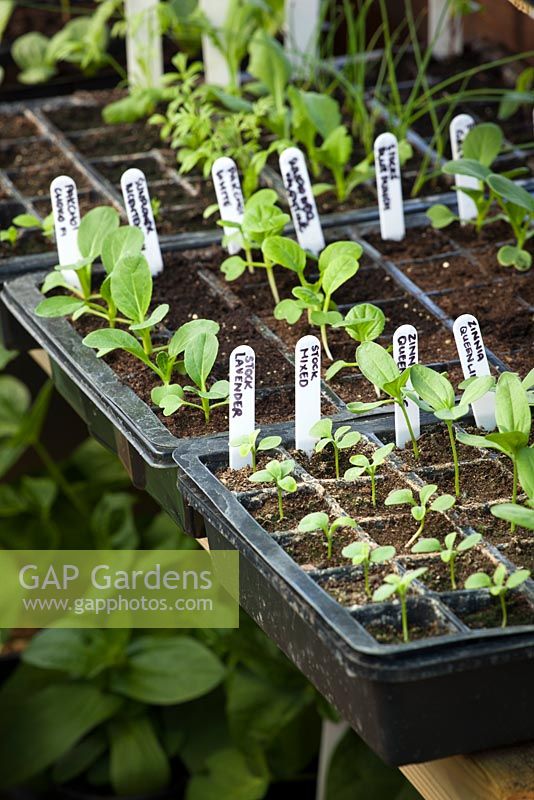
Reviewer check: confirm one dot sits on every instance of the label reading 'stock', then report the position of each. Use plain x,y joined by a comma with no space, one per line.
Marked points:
389,187
474,362
225,176
307,391
301,200
66,213
242,401
406,354
140,215
459,128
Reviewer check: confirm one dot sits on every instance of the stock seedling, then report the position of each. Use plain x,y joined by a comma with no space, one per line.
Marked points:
362,554
319,521
499,585
279,474
362,464
448,553
341,439
249,445
399,585
440,504
363,323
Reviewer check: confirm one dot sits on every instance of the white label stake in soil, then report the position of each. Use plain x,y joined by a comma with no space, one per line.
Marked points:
302,30
459,128
225,176
66,213
215,67
139,210
406,354
474,362
389,187
307,391
144,50
445,29
242,401
301,200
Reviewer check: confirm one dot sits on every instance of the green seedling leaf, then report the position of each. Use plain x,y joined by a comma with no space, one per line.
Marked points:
441,216
122,242
107,340
131,287
58,306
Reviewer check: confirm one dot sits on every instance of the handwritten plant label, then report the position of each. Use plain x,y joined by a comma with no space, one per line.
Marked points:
389,187
216,70
406,354
307,391
242,401
474,361
459,128
66,213
301,30
140,215
301,200
225,176
144,49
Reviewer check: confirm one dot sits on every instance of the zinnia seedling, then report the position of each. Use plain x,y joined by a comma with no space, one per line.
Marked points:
517,206
512,512
499,585
399,585
249,445
448,553
440,504
341,439
319,521
279,474
363,554
361,465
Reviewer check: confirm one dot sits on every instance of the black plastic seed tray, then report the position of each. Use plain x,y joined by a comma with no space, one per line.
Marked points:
457,691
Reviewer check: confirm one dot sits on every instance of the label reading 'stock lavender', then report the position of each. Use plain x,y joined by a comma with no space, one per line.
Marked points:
301,200
307,391
242,401
225,176
66,213
389,187
140,215
474,360
459,128
406,354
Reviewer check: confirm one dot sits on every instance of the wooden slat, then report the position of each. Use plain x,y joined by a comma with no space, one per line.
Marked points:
41,358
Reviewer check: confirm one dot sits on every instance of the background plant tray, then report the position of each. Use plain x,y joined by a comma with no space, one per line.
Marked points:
399,697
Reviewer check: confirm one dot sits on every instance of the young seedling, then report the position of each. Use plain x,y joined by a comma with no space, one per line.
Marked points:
363,323
319,521
279,474
434,392
517,207
499,585
361,465
362,554
249,445
341,439
420,510
514,513
378,366
399,585
448,553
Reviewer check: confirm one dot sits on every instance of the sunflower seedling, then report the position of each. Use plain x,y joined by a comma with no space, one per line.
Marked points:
250,446
399,585
448,552
341,439
361,465
420,510
499,585
279,474
362,554
319,521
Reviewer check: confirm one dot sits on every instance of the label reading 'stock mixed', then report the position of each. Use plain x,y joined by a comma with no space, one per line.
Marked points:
406,354
301,200
242,401
307,391
66,213
225,176
459,128
474,361
140,215
389,187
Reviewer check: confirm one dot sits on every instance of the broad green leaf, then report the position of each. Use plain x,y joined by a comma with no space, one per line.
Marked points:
138,762
513,256
200,356
322,429
337,250
58,306
441,216
288,484
124,241
469,542
427,546
228,775
376,364
512,410
233,267
80,757
288,310
357,551
465,166
286,252
517,578
189,331
525,463
483,143
479,580
169,398
157,316
94,227
442,503
357,407
432,387
364,322
381,554
15,401
426,492
109,339
269,64
511,192
316,521
399,497
477,388
319,111
383,592
518,515
131,287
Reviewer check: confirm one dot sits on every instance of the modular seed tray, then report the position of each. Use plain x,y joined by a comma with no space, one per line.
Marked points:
459,690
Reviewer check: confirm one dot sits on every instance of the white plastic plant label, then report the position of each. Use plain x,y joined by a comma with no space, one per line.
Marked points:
225,176
144,49
302,30
389,187
215,67
307,391
139,210
459,128
406,354
301,200
66,213
242,412
445,29
474,361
